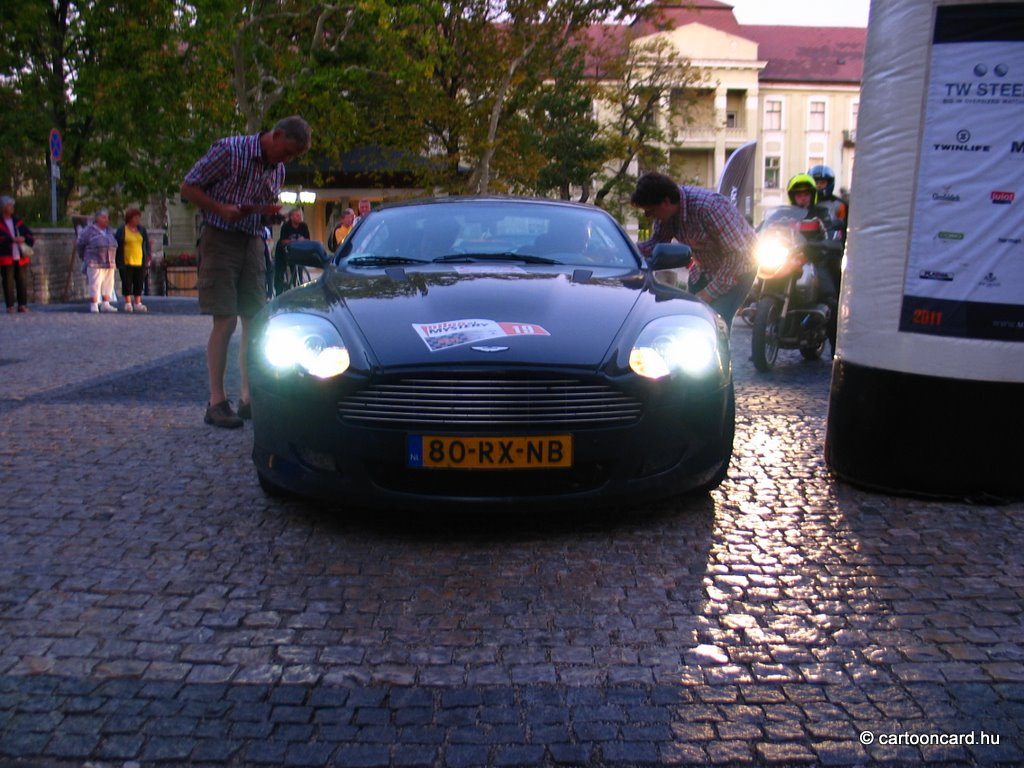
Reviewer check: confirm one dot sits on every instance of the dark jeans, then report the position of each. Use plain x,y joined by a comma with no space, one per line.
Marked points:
829,276
14,284
728,304
280,267
133,281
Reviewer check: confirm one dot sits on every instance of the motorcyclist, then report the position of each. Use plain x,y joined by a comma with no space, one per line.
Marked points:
826,256
825,180
803,193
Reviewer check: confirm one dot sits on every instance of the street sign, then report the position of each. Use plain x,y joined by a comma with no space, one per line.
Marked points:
56,145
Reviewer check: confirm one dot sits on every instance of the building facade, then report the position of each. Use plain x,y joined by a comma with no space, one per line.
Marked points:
793,90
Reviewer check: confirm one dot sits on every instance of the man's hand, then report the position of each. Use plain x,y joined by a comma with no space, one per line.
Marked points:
229,212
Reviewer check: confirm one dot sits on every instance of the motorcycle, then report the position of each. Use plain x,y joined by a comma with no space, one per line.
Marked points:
789,310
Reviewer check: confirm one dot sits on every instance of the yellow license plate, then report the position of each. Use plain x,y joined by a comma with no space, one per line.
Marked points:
518,452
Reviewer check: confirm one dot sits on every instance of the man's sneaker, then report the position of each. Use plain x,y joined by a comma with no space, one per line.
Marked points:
221,415
106,306
92,308
127,306
244,410
141,308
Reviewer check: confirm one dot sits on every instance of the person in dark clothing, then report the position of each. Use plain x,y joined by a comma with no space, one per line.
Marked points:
293,230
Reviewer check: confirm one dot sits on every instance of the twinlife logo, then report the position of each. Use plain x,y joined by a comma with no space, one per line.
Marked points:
963,137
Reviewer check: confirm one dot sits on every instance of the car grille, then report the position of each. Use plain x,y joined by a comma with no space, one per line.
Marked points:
488,402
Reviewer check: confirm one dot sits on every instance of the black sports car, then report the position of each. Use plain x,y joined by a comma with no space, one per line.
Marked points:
489,350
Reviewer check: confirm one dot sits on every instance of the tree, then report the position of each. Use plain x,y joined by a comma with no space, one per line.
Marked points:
641,115
115,79
570,150
473,72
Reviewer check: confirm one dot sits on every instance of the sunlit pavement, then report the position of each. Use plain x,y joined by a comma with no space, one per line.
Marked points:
157,608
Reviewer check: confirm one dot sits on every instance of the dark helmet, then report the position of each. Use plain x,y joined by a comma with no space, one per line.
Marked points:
802,182
820,172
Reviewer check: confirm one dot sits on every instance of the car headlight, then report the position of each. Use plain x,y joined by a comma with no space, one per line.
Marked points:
304,341
771,254
679,344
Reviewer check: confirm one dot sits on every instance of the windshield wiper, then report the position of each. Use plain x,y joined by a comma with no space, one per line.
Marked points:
375,261
508,256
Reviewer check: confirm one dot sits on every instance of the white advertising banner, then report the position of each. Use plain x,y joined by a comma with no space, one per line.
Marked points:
965,266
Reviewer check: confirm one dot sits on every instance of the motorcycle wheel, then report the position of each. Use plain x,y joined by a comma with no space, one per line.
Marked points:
764,339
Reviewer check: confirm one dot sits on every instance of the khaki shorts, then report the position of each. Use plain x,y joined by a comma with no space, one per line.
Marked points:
232,273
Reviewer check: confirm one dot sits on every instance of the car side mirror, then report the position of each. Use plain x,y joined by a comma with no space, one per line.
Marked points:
307,253
669,256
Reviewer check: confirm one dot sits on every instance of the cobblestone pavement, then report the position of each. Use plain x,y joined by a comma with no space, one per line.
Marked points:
157,609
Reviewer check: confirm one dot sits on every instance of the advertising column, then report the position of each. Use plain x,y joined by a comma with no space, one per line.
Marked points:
928,386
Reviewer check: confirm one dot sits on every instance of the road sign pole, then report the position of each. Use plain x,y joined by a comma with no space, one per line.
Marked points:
56,151
54,175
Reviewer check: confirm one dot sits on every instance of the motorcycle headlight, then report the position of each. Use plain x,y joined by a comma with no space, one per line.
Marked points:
293,341
771,254
669,345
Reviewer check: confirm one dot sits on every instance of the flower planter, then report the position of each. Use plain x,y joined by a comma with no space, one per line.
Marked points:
182,281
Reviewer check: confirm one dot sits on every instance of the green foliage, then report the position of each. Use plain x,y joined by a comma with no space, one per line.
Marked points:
457,95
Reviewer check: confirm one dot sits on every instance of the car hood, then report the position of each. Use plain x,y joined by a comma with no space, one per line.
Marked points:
483,315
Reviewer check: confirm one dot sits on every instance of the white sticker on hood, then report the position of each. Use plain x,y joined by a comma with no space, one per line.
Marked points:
454,333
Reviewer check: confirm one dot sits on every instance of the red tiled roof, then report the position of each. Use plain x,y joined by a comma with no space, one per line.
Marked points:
794,54
809,54
708,12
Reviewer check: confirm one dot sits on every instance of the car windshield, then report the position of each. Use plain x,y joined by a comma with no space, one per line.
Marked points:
489,231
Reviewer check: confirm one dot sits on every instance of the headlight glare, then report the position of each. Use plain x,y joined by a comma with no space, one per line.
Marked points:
307,342
771,254
686,345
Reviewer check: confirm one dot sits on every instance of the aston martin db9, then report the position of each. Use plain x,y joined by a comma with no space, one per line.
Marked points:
489,351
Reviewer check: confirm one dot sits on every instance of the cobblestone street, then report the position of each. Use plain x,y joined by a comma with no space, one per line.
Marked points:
156,608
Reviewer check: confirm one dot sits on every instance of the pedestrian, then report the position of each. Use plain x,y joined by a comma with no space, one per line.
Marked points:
133,256
723,267
345,224
15,243
363,208
235,185
293,230
97,247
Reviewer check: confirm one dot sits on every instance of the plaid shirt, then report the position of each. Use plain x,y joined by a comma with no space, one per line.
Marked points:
721,239
233,171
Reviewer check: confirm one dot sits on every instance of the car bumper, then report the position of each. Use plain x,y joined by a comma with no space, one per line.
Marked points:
302,445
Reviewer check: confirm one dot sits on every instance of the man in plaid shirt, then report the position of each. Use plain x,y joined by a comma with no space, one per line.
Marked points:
723,267
235,184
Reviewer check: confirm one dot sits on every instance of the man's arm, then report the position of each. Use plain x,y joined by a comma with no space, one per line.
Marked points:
198,197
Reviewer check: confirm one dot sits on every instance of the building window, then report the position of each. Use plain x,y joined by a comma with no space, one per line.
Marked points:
816,118
773,115
730,120
772,168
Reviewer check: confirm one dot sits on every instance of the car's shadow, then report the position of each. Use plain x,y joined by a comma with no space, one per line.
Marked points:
511,524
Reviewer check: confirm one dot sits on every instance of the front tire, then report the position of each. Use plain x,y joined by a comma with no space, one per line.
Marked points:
764,339
270,488
729,434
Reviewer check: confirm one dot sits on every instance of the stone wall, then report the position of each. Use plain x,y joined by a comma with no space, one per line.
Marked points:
56,271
